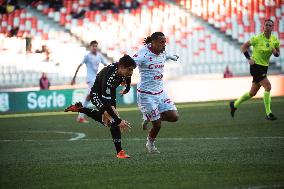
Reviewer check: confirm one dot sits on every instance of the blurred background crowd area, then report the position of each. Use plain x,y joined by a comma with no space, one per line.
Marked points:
52,36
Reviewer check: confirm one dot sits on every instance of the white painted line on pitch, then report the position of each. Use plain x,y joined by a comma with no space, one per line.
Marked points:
80,136
266,187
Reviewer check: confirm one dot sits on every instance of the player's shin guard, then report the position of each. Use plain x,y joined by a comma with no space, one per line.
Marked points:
95,114
116,136
267,102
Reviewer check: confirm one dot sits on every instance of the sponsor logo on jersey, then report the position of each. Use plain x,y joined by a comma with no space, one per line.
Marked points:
156,66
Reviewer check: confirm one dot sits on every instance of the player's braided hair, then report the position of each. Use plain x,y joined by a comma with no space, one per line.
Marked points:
154,36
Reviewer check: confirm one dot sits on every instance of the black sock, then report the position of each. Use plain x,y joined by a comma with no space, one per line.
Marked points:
116,137
95,114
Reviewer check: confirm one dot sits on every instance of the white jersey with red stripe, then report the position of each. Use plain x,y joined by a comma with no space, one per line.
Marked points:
151,69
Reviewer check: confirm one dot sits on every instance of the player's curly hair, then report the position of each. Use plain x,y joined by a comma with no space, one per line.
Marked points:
154,36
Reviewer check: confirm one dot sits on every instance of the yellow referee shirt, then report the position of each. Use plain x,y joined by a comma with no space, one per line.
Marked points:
262,48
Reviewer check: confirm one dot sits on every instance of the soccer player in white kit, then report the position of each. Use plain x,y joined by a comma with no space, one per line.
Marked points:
92,61
152,100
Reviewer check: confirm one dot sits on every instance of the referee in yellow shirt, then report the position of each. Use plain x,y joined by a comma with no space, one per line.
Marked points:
264,45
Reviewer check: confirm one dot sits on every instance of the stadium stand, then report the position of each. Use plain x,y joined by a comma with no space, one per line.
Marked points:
187,36
240,19
203,49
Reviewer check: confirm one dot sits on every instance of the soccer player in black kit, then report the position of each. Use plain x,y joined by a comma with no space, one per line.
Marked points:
103,96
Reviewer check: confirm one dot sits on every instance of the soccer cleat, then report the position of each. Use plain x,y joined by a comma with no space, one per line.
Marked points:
144,125
233,109
151,148
74,108
82,120
122,155
271,117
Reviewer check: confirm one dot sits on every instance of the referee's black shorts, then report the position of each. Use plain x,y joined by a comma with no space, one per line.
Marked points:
258,72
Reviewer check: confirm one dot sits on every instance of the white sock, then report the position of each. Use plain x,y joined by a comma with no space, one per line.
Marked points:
150,141
81,115
85,104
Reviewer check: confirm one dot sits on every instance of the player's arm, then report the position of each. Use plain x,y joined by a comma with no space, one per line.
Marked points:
172,57
74,77
127,86
139,58
245,50
103,60
276,50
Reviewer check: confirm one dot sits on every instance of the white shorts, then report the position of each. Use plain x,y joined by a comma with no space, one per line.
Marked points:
152,105
90,85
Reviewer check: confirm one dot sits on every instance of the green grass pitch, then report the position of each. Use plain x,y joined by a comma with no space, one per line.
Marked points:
206,148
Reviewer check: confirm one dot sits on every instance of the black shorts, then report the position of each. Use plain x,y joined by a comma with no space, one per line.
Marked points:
258,72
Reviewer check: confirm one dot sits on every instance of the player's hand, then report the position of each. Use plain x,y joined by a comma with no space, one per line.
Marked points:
274,51
122,92
124,126
106,118
251,62
73,82
175,57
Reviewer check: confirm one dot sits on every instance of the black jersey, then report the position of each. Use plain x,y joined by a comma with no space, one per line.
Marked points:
103,92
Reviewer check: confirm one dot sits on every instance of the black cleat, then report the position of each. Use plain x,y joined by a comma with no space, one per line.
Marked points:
233,109
271,117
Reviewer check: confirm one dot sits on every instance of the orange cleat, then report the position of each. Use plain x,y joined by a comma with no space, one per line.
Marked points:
82,120
122,155
74,108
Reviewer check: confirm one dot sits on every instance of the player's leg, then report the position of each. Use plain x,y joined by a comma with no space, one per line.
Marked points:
116,138
115,133
167,109
246,96
94,114
267,98
257,75
170,116
81,117
152,135
142,101
148,105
